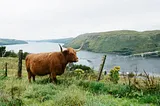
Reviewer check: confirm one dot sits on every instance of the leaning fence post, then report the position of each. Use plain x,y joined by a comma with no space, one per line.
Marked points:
20,56
101,67
5,70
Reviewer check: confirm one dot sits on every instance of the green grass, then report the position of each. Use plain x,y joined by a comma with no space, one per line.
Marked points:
70,91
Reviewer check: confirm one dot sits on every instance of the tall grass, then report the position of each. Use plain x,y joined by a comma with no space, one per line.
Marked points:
71,91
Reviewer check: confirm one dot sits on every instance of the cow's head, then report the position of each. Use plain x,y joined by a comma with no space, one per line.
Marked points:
70,53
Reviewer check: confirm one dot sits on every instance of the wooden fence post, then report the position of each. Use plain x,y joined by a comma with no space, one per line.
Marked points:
101,67
20,56
5,74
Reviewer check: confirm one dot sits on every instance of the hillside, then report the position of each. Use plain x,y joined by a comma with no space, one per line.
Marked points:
120,42
65,40
11,41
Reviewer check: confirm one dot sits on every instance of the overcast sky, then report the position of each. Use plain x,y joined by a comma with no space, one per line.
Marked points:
53,19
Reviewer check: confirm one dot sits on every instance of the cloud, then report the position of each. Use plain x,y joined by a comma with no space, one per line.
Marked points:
50,19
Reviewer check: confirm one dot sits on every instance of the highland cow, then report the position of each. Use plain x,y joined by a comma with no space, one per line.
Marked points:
53,63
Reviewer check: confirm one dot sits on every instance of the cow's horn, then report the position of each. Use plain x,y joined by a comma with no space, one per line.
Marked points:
77,50
60,47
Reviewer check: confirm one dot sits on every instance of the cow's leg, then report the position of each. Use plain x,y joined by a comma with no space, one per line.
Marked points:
53,78
29,74
33,77
29,77
50,77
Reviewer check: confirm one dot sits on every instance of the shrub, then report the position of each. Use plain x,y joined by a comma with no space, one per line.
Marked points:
117,90
96,87
10,53
131,75
2,50
150,99
83,67
25,54
79,73
114,74
93,86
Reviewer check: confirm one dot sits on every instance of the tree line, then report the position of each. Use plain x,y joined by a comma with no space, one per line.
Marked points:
10,53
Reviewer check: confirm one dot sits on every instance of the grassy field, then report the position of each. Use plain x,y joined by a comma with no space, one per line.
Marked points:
74,89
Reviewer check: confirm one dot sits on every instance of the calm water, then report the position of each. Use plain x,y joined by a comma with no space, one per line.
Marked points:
127,64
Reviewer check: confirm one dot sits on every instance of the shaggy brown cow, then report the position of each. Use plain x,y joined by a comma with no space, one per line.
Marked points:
52,63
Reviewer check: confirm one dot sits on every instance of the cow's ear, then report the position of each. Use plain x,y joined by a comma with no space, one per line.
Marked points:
65,52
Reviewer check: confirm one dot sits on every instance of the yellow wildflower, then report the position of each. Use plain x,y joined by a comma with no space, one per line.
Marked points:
117,68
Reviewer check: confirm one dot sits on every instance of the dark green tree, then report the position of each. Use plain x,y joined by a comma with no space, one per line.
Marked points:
2,51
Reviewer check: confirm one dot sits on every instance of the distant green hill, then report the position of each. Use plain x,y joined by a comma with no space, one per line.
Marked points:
65,40
11,41
121,42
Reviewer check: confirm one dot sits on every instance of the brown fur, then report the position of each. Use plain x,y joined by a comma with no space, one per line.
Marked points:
52,63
